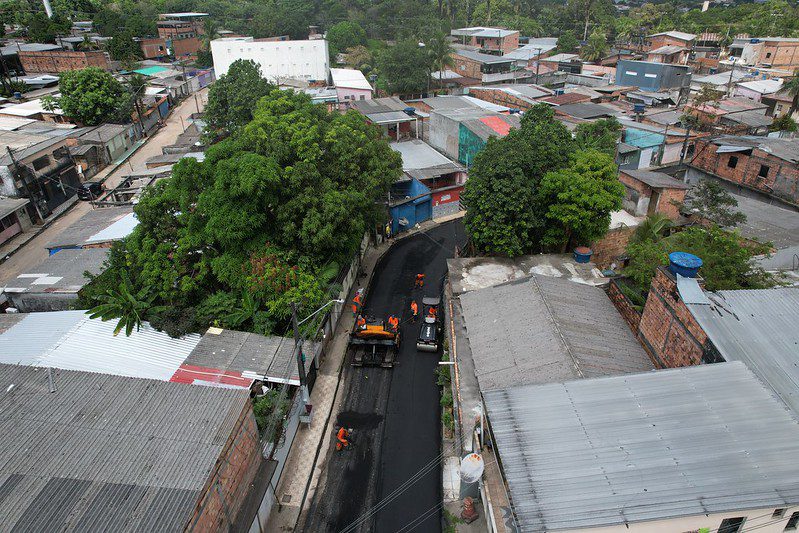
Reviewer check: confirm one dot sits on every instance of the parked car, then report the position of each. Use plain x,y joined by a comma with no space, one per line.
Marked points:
91,190
432,329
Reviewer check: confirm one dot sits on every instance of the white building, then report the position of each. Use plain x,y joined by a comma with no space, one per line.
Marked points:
279,60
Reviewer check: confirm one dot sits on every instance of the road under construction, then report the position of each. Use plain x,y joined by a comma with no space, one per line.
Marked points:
380,482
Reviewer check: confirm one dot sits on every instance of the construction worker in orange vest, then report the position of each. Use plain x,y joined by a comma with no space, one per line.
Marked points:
341,436
356,303
393,323
431,312
361,322
419,281
414,309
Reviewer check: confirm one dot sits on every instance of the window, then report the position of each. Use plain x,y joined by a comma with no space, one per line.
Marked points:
732,162
792,522
650,75
763,172
731,525
631,73
778,513
40,163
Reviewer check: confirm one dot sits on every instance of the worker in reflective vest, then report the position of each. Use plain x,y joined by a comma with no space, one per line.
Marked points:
419,281
393,323
341,437
414,309
356,303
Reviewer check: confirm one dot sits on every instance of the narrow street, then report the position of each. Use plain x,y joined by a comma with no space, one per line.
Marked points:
34,251
394,413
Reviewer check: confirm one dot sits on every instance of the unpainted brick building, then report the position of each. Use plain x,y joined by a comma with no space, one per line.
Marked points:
57,61
764,164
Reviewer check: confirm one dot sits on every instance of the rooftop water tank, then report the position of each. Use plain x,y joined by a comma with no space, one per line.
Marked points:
638,108
410,111
685,264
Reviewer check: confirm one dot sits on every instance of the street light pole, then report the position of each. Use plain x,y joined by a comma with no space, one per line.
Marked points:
300,355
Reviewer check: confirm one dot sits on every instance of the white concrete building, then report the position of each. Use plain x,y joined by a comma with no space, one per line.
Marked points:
279,60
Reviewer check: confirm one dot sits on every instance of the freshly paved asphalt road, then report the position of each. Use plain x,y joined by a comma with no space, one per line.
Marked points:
394,413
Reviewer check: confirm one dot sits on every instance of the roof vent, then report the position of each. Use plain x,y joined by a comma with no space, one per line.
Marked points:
685,264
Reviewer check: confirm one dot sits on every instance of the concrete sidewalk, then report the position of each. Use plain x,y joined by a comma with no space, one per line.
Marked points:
308,455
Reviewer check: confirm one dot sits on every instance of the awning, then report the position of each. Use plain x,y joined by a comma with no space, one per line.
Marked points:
724,149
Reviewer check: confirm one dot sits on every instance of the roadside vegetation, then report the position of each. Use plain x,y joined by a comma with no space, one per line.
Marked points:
264,221
538,189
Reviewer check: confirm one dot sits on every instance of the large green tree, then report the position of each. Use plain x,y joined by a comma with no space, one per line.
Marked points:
505,215
233,240
91,96
579,200
405,67
234,96
122,47
596,47
345,35
602,135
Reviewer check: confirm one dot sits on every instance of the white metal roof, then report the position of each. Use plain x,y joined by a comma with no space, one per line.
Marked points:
27,109
624,449
762,86
72,341
677,35
350,78
116,231
418,154
12,123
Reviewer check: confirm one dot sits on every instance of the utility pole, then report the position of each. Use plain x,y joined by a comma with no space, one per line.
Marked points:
537,63
300,356
47,8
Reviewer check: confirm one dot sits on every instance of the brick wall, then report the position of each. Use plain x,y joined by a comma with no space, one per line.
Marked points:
466,67
624,306
666,40
184,47
667,328
231,477
57,61
612,246
495,96
781,181
151,48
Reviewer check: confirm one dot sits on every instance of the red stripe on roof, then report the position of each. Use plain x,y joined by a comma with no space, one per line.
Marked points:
496,124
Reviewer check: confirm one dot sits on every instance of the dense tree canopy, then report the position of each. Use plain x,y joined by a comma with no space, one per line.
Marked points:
505,215
345,35
91,96
236,238
232,99
602,135
405,67
579,200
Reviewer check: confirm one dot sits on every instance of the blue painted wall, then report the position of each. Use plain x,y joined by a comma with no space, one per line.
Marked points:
415,210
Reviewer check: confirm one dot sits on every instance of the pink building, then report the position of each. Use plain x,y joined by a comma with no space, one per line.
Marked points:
351,85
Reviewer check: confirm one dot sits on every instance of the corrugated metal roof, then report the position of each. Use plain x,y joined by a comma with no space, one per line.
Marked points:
485,59
542,329
625,449
760,328
95,221
107,453
658,180
249,355
72,341
417,154
350,78
61,272
9,205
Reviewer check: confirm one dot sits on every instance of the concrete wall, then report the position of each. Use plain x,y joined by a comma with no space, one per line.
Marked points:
307,60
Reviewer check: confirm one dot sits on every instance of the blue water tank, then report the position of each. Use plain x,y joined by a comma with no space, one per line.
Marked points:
410,111
685,264
582,254
639,108
17,94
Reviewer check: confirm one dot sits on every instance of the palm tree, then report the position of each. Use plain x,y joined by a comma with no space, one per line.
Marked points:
126,304
596,47
792,87
439,51
211,30
653,228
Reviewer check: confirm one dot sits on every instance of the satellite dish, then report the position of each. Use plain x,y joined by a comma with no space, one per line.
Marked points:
472,467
